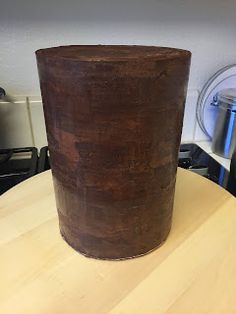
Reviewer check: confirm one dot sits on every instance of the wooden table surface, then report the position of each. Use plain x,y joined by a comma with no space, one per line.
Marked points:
193,272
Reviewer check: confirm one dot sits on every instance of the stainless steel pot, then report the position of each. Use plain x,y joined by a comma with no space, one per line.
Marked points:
224,137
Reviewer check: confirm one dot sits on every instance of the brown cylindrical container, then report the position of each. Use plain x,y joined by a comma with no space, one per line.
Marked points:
114,118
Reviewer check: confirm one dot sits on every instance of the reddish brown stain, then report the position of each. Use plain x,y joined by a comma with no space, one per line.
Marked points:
114,118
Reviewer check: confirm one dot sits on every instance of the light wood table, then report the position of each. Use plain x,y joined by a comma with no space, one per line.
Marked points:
193,272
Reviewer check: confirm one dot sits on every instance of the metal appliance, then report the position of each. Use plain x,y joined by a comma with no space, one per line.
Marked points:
224,136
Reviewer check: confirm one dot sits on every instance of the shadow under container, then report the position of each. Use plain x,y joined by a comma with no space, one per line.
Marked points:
114,117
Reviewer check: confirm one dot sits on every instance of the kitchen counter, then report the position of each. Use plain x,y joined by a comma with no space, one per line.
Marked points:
193,272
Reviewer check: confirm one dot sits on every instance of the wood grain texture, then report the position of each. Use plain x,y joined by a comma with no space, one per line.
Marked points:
114,117
193,272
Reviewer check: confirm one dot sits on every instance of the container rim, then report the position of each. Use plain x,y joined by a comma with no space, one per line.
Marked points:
112,53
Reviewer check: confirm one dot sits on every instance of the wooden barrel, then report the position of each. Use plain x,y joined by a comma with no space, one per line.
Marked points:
114,117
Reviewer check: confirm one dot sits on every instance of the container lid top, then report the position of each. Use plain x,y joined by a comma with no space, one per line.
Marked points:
113,52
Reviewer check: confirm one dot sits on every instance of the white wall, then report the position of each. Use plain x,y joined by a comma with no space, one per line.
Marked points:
207,28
